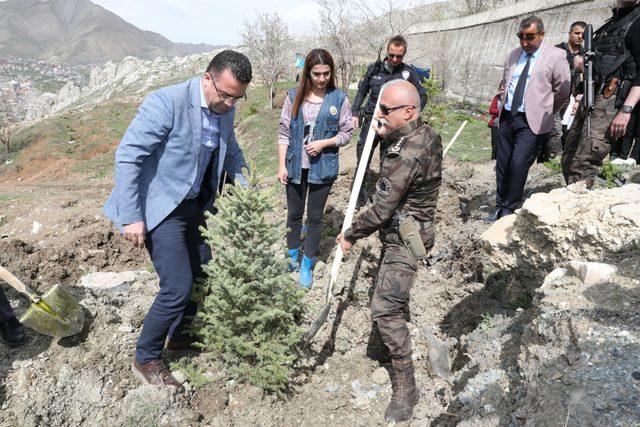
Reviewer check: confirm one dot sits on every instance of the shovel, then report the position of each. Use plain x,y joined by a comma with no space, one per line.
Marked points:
56,313
351,208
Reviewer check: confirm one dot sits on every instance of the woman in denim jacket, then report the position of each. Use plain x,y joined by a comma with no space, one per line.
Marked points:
315,123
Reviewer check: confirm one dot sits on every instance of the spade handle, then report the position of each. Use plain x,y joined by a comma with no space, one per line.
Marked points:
16,284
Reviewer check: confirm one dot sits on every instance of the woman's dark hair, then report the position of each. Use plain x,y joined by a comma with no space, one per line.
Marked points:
315,57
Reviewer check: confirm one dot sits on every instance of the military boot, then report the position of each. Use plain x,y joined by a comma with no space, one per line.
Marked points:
405,393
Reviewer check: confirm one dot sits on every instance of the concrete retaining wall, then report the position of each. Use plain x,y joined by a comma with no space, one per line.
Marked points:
469,52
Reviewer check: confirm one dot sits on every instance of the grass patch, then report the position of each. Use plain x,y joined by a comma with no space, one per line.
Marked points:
94,135
9,197
473,143
553,165
486,322
610,173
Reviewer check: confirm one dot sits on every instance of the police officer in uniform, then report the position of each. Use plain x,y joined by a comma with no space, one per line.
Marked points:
617,83
405,199
379,73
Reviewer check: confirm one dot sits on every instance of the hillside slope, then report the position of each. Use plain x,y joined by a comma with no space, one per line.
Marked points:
78,31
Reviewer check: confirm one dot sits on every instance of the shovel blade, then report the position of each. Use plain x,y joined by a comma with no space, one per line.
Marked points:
324,314
57,314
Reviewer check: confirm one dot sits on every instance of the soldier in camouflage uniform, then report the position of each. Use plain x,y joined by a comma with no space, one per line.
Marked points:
617,75
409,181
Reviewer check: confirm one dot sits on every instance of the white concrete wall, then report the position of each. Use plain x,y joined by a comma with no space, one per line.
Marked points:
476,45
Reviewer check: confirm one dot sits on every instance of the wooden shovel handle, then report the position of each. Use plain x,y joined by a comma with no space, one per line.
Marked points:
16,284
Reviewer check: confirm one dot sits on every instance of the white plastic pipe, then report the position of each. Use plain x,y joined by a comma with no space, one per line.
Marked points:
444,153
353,199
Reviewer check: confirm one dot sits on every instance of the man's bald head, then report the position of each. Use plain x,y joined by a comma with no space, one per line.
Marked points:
401,101
401,92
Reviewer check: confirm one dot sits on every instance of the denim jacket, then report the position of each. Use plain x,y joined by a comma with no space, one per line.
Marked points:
324,167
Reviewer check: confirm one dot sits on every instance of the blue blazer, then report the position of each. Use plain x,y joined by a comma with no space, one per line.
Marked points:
156,161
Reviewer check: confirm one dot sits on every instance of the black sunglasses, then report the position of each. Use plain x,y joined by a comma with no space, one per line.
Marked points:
395,55
527,36
387,110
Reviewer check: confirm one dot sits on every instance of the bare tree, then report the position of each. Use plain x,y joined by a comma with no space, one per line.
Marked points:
442,59
476,6
468,70
5,137
268,41
384,18
339,28
469,7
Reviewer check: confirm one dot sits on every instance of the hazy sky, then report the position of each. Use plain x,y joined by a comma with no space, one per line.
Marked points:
209,21
216,21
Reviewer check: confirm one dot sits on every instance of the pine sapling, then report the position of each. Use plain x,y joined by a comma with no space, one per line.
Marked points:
250,304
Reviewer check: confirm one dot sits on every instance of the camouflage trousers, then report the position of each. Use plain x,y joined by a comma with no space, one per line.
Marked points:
583,156
391,295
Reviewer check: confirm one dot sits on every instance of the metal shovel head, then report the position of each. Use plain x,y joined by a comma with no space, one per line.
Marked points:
318,323
57,314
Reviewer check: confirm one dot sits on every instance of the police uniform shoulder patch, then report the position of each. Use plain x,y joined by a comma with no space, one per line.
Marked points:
333,110
406,74
383,186
395,148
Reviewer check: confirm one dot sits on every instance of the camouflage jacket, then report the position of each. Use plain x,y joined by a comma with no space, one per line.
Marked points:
409,181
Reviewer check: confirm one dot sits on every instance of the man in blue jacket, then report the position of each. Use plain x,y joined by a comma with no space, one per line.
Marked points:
167,169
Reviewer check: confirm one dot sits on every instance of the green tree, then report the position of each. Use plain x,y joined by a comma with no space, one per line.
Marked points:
250,304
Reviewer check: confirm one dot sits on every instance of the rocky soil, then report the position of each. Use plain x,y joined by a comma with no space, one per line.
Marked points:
494,344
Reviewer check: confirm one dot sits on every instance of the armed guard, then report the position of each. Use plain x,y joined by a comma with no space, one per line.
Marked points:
402,211
379,73
609,98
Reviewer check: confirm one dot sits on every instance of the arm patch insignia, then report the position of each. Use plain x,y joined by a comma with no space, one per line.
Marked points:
383,186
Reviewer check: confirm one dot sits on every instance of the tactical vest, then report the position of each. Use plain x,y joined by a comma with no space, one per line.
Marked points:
613,58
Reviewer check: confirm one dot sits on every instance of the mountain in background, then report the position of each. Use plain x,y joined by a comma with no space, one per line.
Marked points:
79,31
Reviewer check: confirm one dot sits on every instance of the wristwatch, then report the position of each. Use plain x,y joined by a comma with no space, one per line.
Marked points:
627,109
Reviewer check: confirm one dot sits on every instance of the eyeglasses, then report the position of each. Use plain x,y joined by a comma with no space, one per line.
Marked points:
387,110
225,96
527,36
395,55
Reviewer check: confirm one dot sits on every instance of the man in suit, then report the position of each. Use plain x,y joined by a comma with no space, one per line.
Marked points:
167,170
538,83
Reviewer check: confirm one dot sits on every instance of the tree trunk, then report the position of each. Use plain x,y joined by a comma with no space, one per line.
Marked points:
271,96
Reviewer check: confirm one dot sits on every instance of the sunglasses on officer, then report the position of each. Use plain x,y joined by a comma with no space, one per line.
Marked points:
395,55
388,110
527,36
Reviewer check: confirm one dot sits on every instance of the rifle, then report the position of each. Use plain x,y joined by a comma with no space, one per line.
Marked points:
589,84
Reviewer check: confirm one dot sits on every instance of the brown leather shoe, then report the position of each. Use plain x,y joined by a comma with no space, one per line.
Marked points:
155,373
